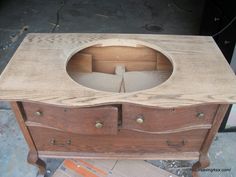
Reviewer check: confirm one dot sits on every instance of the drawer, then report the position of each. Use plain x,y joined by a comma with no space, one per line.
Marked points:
139,118
88,121
124,142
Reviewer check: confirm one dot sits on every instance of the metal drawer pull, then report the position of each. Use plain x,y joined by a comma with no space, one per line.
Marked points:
53,142
140,119
200,114
68,142
38,113
99,125
176,145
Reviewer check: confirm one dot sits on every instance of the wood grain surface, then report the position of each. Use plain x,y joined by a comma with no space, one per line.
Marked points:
167,120
37,71
74,120
124,142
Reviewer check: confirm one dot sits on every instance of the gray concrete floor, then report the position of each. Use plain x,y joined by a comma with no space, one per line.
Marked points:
17,18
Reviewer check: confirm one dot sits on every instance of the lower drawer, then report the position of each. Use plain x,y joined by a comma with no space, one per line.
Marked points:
124,142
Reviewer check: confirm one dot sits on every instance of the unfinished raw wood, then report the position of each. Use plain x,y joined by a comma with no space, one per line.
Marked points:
141,80
37,71
99,81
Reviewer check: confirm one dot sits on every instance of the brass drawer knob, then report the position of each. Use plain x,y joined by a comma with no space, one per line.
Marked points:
200,114
140,119
38,113
68,142
99,125
53,141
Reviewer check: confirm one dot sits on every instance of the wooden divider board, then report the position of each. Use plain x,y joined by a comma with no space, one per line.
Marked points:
37,71
139,58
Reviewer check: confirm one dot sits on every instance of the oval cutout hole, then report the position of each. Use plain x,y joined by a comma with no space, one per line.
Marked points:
119,68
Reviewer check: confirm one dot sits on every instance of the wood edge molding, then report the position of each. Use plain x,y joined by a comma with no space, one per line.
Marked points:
118,102
139,156
182,129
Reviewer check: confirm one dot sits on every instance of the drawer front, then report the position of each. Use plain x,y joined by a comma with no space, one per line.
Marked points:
124,142
140,118
88,121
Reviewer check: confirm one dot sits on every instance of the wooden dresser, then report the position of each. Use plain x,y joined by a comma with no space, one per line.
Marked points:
173,117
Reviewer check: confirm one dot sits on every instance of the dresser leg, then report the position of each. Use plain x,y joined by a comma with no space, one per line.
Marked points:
203,162
35,160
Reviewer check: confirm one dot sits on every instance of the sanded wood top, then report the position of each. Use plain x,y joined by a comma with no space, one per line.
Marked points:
37,71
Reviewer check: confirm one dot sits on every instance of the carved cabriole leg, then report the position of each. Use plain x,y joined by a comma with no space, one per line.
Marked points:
35,160
203,157
203,162
32,155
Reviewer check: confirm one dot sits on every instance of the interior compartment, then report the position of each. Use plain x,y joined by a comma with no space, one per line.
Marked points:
119,68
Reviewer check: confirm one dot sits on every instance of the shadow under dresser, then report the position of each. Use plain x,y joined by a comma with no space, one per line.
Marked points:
118,96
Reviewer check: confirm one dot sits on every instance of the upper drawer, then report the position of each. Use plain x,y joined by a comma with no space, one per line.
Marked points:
89,121
167,120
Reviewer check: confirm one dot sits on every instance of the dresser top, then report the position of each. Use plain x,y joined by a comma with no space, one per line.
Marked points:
37,71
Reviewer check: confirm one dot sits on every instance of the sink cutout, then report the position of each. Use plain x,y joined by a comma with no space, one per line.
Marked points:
119,68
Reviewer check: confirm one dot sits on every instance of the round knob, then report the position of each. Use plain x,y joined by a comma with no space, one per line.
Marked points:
99,125
140,119
200,114
53,141
68,142
38,113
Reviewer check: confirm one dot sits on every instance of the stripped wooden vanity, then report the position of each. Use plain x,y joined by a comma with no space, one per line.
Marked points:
131,114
